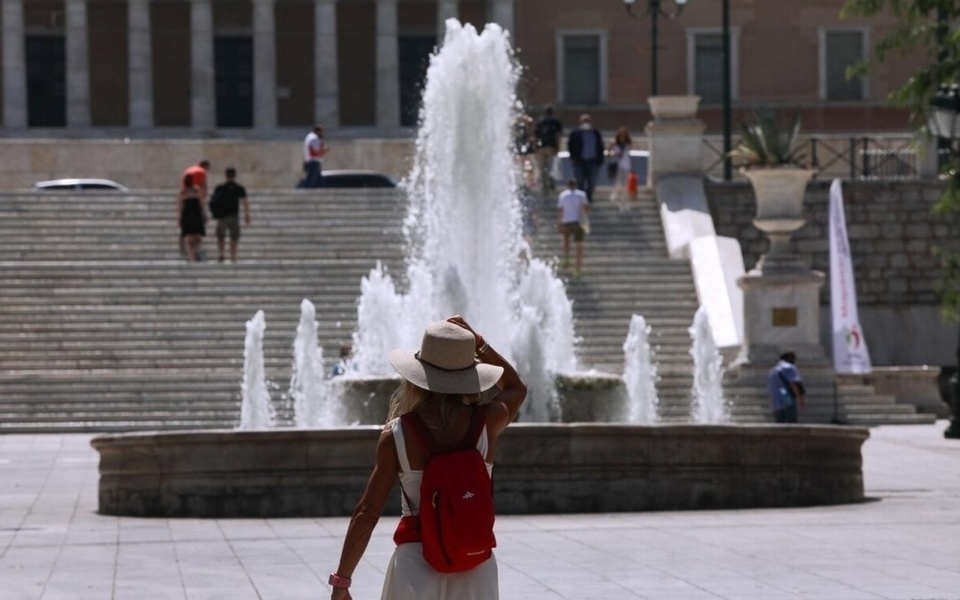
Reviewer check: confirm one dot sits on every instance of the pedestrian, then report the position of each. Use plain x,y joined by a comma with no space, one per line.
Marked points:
528,211
548,131
586,154
525,144
345,363
192,217
620,166
439,403
573,210
786,390
314,149
198,173
225,208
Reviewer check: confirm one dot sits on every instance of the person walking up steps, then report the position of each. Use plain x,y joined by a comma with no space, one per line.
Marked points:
192,217
573,210
549,130
225,208
586,154
620,167
314,149
438,417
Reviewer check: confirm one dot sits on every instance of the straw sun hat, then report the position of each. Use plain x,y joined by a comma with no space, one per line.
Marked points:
445,362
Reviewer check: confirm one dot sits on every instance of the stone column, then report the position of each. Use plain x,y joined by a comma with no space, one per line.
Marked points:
326,88
78,64
388,66
140,64
503,14
446,9
202,93
14,66
264,65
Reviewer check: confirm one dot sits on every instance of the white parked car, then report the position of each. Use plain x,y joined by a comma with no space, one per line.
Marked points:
79,184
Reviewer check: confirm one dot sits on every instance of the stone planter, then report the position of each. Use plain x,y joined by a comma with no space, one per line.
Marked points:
779,194
672,108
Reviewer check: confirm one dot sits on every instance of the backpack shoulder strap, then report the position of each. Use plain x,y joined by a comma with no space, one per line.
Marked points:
786,382
420,431
477,422
401,444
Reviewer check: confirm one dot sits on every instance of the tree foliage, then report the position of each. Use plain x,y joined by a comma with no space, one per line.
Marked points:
927,27
922,26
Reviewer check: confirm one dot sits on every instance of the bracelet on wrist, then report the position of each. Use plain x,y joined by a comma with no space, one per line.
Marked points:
340,582
483,348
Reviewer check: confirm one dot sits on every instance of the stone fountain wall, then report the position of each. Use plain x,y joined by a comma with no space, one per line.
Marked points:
540,468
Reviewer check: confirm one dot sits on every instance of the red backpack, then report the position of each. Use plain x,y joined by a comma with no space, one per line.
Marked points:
456,517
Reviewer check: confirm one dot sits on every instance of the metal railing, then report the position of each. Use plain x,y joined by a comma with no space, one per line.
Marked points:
862,158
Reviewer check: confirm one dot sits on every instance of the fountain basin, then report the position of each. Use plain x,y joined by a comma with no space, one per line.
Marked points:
541,468
584,397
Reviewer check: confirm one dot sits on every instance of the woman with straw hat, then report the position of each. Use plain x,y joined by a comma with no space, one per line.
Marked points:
443,383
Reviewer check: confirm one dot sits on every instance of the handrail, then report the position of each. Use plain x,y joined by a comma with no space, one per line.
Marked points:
863,158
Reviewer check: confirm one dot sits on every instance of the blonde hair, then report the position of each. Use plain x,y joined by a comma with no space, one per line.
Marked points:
408,398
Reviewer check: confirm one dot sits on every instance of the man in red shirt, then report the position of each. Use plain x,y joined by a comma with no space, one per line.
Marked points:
199,173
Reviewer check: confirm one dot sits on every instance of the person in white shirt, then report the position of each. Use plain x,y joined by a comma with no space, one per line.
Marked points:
314,150
572,209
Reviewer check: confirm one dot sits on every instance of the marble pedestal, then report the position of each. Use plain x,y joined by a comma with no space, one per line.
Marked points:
781,313
675,137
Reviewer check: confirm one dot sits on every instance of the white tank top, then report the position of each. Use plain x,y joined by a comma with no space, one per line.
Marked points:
410,479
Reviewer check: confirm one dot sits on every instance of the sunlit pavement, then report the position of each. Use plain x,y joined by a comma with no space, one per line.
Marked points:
903,543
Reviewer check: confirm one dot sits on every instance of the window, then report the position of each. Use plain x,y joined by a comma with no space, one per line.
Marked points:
840,50
582,68
705,64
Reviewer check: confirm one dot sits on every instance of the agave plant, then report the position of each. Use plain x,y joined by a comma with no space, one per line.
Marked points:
765,144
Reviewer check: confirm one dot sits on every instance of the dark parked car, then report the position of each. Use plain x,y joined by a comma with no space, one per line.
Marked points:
80,185
357,179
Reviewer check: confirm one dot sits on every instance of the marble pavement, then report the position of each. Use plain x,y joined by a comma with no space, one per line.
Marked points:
902,544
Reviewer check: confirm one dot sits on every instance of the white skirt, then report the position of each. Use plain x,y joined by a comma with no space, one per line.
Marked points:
409,577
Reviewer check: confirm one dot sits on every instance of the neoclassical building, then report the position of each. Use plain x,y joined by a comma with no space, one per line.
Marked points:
205,67
211,64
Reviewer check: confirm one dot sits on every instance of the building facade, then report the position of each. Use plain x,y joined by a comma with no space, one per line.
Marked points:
208,67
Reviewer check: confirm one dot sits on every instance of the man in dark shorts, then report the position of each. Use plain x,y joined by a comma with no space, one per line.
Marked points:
572,211
548,130
225,202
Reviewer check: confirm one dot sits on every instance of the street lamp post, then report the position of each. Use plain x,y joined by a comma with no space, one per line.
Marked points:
654,11
944,123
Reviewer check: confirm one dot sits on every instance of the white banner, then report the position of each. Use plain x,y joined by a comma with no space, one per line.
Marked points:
850,354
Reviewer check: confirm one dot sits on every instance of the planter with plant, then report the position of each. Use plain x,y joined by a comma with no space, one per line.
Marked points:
771,158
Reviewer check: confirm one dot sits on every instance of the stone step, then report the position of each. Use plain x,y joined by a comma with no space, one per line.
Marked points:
77,307
119,426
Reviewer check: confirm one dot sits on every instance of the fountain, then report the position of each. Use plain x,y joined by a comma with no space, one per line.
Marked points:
707,402
256,408
640,374
466,255
312,404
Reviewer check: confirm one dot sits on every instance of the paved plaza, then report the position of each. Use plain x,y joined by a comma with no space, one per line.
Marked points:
904,543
